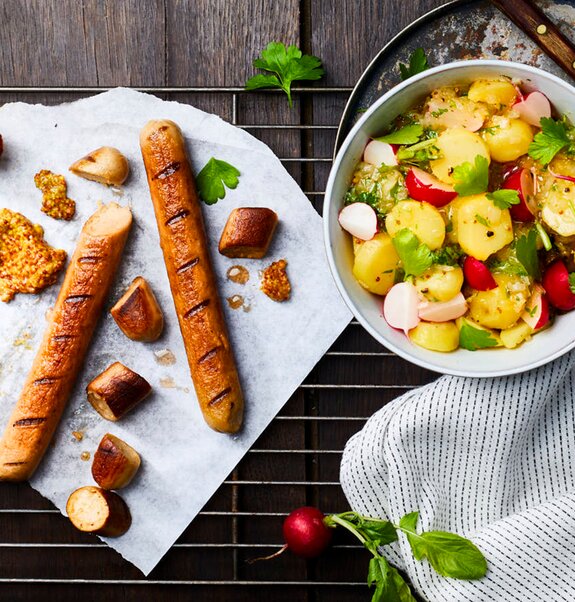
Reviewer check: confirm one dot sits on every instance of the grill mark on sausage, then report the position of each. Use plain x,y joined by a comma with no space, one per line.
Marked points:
90,259
29,422
196,309
63,337
46,380
169,170
209,354
188,265
78,298
14,463
219,397
177,217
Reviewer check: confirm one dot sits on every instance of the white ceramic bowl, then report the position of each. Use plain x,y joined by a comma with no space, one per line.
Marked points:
367,308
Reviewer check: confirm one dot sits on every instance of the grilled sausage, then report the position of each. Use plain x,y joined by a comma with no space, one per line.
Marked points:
137,312
117,390
115,463
192,281
61,354
95,510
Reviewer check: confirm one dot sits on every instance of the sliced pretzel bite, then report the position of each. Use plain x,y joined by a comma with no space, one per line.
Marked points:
115,463
248,232
106,165
95,510
137,312
117,390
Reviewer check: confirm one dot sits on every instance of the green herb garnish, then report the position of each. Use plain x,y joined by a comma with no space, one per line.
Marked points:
503,199
553,137
417,64
448,255
409,134
471,178
472,338
416,257
212,179
483,221
526,250
284,66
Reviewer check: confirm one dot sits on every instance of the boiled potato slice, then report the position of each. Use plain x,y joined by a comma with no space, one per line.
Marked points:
482,228
440,282
375,264
423,219
497,92
500,307
436,336
511,337
357,242
457,146
508,140
558,210
460,322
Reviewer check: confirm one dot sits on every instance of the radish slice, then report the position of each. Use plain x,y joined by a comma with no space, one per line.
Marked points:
423,186
443,311
359,219
523,182
533,107
536,312
400,308
379,153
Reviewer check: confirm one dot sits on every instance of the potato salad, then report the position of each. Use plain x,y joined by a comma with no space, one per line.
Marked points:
463,217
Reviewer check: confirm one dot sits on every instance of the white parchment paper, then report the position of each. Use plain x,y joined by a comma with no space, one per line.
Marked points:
276,345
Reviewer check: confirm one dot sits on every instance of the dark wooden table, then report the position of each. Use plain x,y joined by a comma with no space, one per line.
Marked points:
207,46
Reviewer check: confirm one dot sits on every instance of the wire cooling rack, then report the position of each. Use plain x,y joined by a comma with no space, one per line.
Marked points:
295,462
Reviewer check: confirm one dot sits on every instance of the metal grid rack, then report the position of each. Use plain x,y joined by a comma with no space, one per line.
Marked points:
296,460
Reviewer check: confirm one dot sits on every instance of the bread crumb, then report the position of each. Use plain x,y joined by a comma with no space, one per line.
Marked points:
275,282
85,456
78,435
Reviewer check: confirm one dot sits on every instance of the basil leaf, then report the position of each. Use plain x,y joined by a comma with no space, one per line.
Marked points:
403,592
381,532
448,553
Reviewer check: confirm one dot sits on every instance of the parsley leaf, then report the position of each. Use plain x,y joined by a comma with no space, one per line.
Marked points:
448,553
417,64
503,199
572,282
287,65
526,250
483,221
549,141
212,178
471,178
472,338
508,266
410,134
416,257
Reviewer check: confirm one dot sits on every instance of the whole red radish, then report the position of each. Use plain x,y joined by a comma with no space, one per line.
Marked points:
522,181
557,286
423,186
305,533
477,274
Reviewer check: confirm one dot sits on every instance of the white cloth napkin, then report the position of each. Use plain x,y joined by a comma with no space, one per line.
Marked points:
490,459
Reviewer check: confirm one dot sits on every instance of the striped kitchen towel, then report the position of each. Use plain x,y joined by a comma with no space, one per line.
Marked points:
490,459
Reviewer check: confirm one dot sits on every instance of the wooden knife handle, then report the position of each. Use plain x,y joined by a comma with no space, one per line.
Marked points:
528,17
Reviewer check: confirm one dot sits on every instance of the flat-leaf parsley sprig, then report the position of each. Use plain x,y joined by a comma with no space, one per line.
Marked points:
213,178
284,66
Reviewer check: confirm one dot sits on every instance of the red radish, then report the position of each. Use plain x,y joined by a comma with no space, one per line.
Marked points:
443,311
477,274
536,312
522,182
359,219
400,307
533,107
305,533
423,186
556,285
379,153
